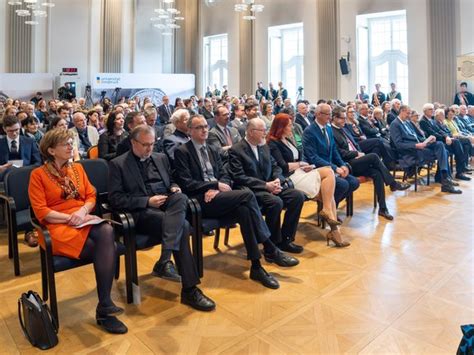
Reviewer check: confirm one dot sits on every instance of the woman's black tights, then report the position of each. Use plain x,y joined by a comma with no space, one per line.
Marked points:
100,247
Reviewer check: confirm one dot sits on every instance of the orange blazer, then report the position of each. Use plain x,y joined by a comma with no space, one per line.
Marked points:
45,196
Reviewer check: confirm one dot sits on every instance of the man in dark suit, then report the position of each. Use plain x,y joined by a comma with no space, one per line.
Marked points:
282,91
320,149
302,116
393,113
179,136
140,183
165,110
240,120
364,164
378,97
369,128
412,150
16,147
251,165
221,135
261,92
463,121
208,113
453,146
151,120
463,97
199,169
272,93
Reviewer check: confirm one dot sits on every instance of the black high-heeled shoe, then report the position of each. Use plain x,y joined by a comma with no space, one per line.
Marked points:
328,219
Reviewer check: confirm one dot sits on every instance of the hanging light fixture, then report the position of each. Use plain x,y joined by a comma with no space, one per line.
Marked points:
167,15
248,8
31,8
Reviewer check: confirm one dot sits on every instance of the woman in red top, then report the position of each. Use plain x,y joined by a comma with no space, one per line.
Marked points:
62,198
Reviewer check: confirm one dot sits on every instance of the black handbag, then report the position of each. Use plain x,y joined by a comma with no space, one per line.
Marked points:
36,321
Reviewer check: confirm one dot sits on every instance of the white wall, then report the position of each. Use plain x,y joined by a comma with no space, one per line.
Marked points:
418,46
465,24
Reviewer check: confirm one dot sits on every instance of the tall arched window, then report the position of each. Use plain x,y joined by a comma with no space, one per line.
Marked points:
215,61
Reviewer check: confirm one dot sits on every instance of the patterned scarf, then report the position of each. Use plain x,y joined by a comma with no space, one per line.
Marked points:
61,179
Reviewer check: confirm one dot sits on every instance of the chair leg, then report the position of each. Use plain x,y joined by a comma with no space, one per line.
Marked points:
416,178
16,256
429,175
217,236
318,210
44,275
117,268
349,205
226,237
375,198
53,302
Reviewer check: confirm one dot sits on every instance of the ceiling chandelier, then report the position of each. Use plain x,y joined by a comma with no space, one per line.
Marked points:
31,10
167,17
248,8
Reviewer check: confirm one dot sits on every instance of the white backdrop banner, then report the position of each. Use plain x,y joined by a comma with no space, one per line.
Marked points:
154,86
25,86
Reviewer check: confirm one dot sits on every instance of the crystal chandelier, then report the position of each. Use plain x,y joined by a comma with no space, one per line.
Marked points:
167,17
31,10
248,8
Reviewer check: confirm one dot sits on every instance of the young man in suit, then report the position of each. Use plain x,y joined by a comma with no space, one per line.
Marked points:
251,165
411,149
165,110
320,149
221,135
364,164
199,169
16,147
140,183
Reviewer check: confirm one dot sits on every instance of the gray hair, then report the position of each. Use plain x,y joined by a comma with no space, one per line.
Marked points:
312,108
427,107
440,111
141,129
149,111
396,101
179,115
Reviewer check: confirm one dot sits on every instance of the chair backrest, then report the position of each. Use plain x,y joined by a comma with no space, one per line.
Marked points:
16,185
97,171
93,152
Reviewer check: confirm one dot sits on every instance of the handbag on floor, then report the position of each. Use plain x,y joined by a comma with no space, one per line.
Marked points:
466,347
36,321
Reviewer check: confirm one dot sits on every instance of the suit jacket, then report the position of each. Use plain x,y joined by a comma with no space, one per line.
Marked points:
380,97
356,132
468,98
173,142
368,129
209,116
92,134
260,93
164,115
240,126
316,149
247,171
442,127
343,144
29,152
218,139
428,125
392,115
188,171
283,155
404,142
301,121
464,124
127,191
394,95
271,94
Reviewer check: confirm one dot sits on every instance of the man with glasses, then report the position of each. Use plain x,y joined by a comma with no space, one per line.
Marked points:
252,166
16,150
140,183
132,120
200,171
320,149
221,135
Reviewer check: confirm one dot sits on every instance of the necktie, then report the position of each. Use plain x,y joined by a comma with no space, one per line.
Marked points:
352,147
410,131
207,164
227,136
325,135
13,147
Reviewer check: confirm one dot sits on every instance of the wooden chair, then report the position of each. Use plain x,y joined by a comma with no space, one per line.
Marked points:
93,152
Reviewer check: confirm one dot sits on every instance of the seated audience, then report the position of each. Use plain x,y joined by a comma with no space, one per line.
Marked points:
453,127
430,127
93,120
180,135
85,136
160,131
240,120
111,138
393,114
289,158
412,150
364,164
320,150
62,198
267,114
200,170
14,147
296,130
302,116
251,166
132,120
140,183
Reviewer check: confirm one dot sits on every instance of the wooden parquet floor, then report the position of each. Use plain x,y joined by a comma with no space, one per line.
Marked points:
402,287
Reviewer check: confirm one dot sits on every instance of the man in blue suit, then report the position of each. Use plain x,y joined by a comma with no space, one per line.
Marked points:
16,147
320,149
412,150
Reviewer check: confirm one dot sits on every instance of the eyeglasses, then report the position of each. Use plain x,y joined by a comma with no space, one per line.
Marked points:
69,144
202,127
145,145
